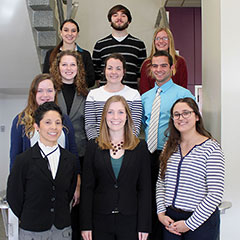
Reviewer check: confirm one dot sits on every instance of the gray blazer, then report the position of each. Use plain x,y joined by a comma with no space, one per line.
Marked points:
77,118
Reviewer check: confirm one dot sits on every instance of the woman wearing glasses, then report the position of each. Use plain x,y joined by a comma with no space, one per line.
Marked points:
163,40
191,178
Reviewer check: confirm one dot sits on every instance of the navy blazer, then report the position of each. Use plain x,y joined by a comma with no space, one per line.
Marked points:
38,200
129,194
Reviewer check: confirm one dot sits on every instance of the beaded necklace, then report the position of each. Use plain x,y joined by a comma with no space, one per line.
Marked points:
116,147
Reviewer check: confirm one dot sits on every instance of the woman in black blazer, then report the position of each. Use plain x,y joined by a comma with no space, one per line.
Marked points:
42,181
116,186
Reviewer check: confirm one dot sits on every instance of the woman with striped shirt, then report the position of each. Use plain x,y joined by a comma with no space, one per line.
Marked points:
191,178
114,71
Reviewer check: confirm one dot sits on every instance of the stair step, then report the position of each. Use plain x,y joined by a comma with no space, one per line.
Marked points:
46,39
44,20
41,4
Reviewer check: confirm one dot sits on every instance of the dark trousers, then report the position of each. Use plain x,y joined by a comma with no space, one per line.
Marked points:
209,230
75,217
156,225
115,227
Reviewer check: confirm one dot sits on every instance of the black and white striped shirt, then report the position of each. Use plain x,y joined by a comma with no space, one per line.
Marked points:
133,50
193,183
95,103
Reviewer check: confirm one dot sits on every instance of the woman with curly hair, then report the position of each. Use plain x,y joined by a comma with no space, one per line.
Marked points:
163,41
69,31
69,75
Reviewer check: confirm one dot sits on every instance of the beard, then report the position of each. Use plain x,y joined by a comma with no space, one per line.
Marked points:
119,28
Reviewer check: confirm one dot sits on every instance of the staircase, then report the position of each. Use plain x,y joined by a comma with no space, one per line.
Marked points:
44,25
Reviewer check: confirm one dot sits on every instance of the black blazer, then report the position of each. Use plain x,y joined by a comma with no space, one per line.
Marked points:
38,200
130,193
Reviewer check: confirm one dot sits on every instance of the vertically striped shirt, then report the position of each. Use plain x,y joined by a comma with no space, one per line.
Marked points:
95,103
133,50
193,183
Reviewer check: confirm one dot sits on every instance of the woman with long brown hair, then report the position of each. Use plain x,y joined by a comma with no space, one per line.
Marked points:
191,178
116,182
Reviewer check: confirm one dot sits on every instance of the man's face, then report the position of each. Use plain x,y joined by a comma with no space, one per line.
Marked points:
161,70
119,21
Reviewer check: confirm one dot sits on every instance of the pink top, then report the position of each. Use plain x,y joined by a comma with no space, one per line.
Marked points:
180,78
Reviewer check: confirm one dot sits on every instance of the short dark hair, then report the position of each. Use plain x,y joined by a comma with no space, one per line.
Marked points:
71,21
163,53
45,107
118,8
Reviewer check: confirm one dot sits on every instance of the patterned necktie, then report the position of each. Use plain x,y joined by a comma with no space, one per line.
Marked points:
154,120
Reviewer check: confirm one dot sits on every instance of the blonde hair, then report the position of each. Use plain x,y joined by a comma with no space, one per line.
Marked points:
104,140
171,48
25,118
79,80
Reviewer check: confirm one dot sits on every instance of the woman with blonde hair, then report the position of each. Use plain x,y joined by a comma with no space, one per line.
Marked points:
116,182
163,41
23,134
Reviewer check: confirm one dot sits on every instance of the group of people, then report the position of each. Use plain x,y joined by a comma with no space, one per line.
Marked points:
77,166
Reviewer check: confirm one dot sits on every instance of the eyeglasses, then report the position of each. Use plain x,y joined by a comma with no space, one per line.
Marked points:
161,38
185,114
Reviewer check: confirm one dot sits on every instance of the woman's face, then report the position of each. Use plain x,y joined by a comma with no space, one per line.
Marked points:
45,92
69,33
68,69
161,41
114,71
50,128
116,116
184,117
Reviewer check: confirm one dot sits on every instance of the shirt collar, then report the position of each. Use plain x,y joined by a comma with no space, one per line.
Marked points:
165,86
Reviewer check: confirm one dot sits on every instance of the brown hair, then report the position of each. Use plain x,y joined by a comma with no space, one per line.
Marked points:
79,81
55,51
130,140
118,8
174,136
26,116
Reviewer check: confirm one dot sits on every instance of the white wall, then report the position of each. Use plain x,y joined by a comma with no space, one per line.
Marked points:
10,105
18,58
221,95
94,25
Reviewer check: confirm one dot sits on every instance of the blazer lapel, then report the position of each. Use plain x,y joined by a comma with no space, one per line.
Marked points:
126,159
74,107
62,166
61,102
41,162
107,160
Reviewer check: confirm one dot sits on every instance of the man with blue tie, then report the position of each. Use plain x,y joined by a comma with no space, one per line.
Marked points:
157,103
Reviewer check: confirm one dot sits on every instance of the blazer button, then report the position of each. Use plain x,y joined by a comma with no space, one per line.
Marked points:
52,210
53,188
116,186
53,199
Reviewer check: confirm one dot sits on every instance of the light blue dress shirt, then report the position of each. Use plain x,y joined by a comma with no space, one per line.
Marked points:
170,93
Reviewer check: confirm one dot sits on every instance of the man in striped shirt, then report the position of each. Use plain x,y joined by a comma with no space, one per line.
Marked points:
132,48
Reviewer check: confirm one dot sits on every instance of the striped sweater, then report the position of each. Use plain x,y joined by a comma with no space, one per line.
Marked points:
95,103
193,183
131,48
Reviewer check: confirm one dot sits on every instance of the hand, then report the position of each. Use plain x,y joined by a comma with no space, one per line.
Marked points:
180,226
142,236
87,235
168,223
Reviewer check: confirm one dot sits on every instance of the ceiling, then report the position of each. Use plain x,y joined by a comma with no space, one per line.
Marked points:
183,3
